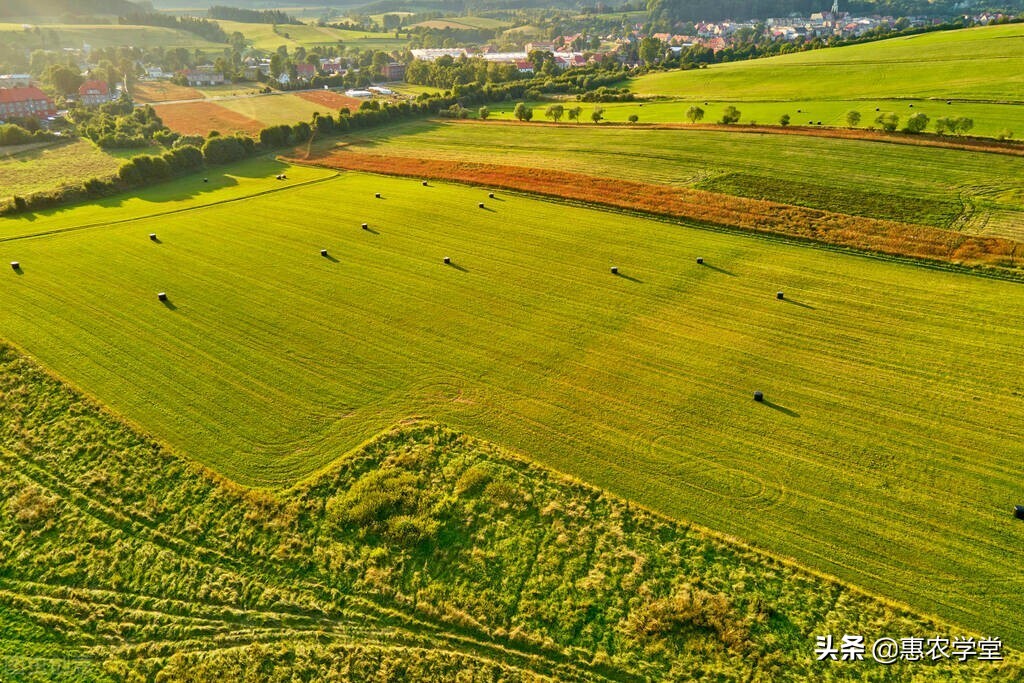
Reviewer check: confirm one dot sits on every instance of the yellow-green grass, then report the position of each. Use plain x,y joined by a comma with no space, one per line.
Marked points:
56,36
467,22
231,89
263,36
976,64
275,109
969,191
990,120
46,167
888,450
246,179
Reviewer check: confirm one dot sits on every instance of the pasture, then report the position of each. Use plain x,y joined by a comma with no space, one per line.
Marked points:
250,114
264,36
44,167
968,191
990,120
57,36
978,64
887,451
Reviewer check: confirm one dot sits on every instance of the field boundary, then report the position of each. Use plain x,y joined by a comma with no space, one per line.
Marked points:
937,248
970,144
104,224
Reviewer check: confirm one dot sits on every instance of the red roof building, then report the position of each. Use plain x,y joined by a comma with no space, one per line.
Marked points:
305,71
30,101
92,93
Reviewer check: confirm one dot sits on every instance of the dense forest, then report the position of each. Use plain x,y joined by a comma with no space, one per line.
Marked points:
252,16
56,8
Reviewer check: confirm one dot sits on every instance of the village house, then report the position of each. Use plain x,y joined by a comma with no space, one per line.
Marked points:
93,93
30,101
393,71
203,75
305,72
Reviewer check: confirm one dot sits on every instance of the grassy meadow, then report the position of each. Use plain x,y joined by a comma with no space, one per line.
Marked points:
264,37
420,555
38,168
57,36
972,192
887,451
976,64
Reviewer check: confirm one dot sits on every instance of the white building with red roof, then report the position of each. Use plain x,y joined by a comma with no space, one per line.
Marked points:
92,93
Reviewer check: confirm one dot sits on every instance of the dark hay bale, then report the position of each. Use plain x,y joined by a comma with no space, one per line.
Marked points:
877,109
615,270
799,111
780,295
366,226
481,205
1018,511
377,195
323,252
206,180
448,259
162,296
759,396
152,236
819,123
15,265
949,101
700,260
810,123
490,195
424,183
911,106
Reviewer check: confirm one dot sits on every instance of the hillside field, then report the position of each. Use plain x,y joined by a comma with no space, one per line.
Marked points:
263,36
972,192
250,114
56,36
125,562
887,451
970,64
48,166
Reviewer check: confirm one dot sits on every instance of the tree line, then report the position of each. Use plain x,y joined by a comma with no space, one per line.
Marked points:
251,16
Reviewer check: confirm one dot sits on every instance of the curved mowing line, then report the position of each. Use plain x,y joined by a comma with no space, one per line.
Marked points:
169,212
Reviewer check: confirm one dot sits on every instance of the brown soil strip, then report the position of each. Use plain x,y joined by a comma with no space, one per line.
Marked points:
887,237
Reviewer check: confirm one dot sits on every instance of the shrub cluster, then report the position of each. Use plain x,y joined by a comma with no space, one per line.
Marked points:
12,134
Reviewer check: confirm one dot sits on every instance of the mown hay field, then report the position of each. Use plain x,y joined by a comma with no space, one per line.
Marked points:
971,192
980,64
887,451
250,114
56,36
43,167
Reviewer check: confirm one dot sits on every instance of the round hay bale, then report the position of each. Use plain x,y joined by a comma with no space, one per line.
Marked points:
15,265
615,270
448,259
780,295
366,226
759,396
424,183
700,260
323,252
819,123
481,205
162,296
152,236
206,180
377,195
490,195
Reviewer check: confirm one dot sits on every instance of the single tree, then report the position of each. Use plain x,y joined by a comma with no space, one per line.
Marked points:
522,112
574,113
730,115
633,118
597,114
963,124
784,120
651,49
483,113
852,118
889,121
694,114
555,112
917,122
944,125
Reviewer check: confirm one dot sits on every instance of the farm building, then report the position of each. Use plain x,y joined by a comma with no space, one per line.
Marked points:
92,93
358,93
30,101
393,71
203,75
305,72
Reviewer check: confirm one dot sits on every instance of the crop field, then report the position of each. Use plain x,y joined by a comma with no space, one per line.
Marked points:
979,64
48,166
56,36
264,37
145,92
887,451
465,23
203,116
971,192
469,569
990,120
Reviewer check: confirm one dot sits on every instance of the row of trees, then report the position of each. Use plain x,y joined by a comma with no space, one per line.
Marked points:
210,30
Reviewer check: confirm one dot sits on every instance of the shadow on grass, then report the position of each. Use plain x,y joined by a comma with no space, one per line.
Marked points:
782,409
169,304
456,266
719,270
371,230
331,258
800,304
629,277
18,269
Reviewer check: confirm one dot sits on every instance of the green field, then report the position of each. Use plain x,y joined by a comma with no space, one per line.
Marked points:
974,192
467,22
272,110
887,453
264,38
990,120
971,64
56,36
45,167
422,555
